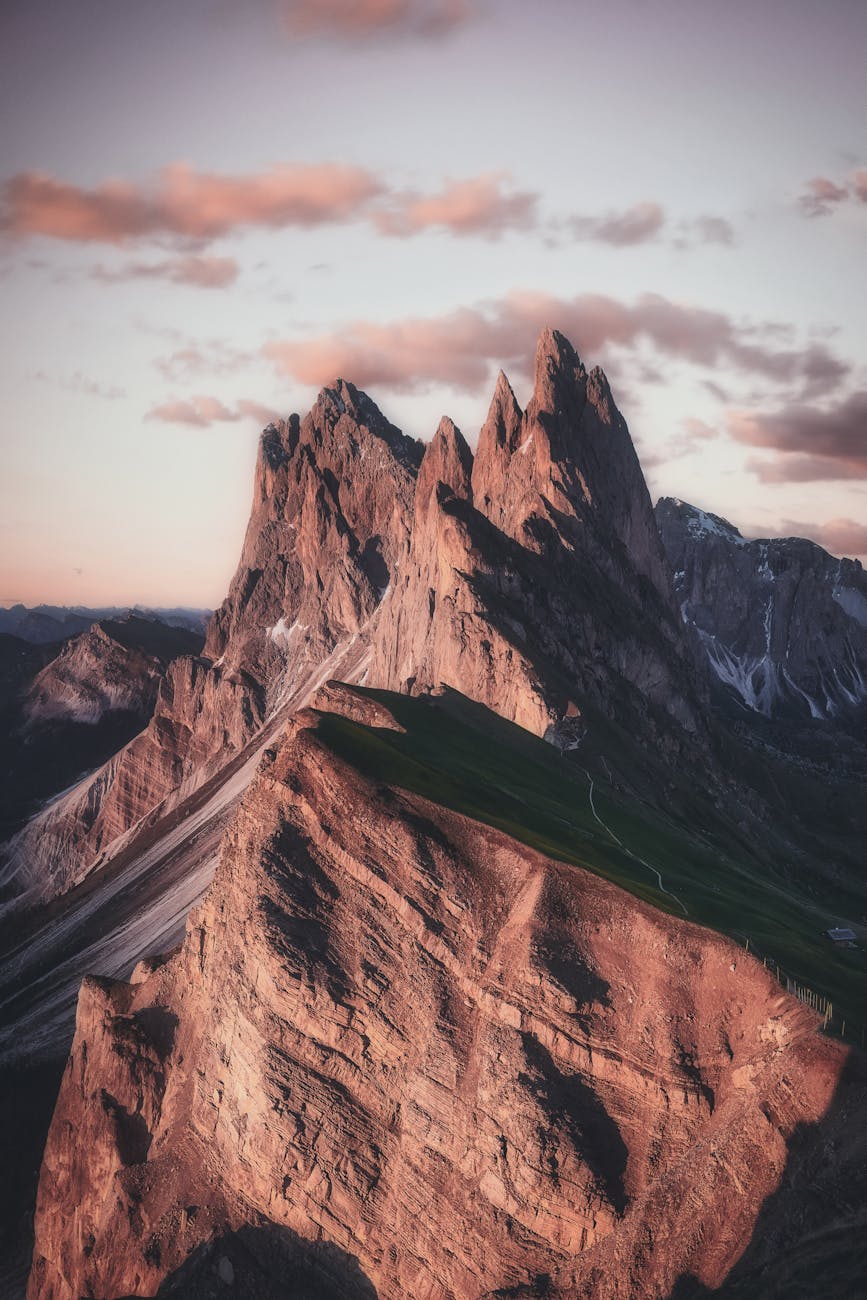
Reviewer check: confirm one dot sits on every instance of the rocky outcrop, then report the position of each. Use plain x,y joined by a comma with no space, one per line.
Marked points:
782,623
531,578
114,667
399,1054
67,708
332,497
536,580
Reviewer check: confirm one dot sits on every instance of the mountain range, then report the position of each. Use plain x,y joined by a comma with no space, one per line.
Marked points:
455,926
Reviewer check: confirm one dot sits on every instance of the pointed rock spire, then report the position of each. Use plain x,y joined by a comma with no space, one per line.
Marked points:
500,436
450,454
504,413
559,376
447,462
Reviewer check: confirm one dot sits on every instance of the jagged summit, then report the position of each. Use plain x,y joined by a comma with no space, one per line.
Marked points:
400,1049
531,578
559,375
781,623
447,460
699,522
355,412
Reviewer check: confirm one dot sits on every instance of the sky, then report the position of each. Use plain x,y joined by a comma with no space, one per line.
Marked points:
208,210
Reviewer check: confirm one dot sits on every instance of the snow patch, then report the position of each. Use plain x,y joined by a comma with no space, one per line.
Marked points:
853,603
280,632
701,524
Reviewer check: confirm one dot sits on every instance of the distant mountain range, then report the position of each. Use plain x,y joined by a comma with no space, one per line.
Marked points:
782,622
41,624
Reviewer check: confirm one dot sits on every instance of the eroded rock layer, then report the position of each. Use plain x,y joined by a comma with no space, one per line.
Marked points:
399,1054
531,578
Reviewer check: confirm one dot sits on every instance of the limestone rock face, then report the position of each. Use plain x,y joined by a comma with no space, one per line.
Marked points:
332,501
542,585
399,1054
531,579
782,623
567,464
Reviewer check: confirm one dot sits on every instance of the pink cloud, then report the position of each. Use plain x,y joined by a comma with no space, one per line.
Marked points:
213,357
478,206
79,383
184,203
811,442
636,225
200,272
461,347
356,19
202,411
839,536
821,196
704,229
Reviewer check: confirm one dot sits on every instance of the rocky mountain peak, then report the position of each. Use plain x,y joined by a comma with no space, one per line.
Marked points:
499,438
559,376
369,557
782,624
674,513
349,417
447,461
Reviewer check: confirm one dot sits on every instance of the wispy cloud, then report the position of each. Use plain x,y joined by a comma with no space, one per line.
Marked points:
839,536
80,383
368,19
209,356
203,410
821,195
186,209
704,229
461,347
636,225
811,442
199,272
482,205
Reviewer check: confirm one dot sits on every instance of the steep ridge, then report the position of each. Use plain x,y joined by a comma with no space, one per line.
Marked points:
67,707
532,579
331,496
783,623
536,581
400,1054
114,667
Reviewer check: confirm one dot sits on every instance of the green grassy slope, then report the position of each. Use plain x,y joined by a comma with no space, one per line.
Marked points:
465,758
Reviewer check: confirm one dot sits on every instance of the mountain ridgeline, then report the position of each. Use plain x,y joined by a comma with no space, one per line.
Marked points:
531,578
783,624
443,934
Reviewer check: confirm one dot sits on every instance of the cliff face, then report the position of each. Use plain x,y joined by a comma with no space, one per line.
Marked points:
531,579
331,498
399,1054
536,580
782,623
